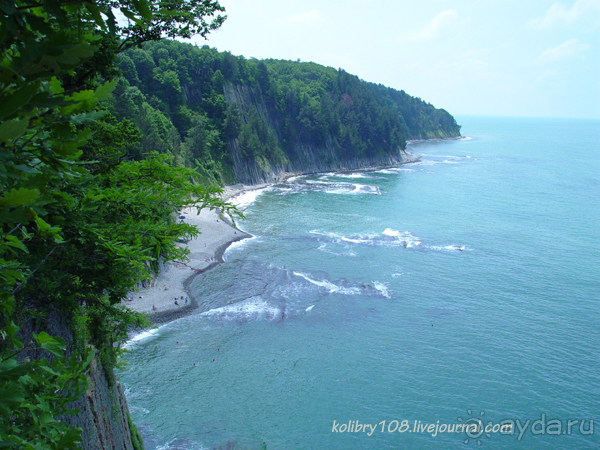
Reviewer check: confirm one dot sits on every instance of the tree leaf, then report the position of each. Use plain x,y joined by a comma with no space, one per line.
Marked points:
95,11
19,197
17,99
8,76
13,129
103,91
54,345
143,8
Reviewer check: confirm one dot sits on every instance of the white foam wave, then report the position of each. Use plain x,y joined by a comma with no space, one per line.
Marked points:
138,408
450,248
324,248
140,337
237,245
351,175
394,238
331,287
253,307
317,182
310,307
331,187
382,288
360,239
353,188
325,233
390,232
404,238
246,198
354,241
366,189
395,170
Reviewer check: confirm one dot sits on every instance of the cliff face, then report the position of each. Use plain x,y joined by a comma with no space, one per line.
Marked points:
310,159
303,158
104,415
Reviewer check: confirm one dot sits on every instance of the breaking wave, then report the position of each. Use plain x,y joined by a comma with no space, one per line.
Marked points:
388,238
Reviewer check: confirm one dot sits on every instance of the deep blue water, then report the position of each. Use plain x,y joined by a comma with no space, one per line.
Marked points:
465,286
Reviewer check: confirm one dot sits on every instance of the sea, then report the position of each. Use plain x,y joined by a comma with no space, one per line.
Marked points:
450,303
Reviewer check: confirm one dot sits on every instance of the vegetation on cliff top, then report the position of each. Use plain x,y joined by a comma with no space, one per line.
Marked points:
197,103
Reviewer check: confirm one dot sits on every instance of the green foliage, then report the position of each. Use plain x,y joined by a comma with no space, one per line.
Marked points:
81,220
104,325
136,438
272,107
33,393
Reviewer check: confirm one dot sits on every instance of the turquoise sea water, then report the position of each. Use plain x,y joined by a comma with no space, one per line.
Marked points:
460,288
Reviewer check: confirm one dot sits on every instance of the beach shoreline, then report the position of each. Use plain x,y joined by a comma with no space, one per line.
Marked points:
158,295
172,284
420,141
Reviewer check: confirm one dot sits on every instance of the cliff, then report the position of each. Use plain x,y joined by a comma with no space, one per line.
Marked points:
236,120
310,159
302,156
104,416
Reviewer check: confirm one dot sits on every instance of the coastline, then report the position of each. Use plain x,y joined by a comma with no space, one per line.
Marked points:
157,297
418,141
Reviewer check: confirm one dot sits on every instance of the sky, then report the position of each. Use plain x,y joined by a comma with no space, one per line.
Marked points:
495,57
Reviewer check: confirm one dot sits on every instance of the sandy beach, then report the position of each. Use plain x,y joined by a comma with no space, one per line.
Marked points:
159,295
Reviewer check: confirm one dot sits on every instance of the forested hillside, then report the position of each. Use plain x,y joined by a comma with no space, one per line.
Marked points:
215,112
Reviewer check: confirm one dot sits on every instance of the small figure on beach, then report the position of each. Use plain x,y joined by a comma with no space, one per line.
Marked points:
176,303
186,300
154,308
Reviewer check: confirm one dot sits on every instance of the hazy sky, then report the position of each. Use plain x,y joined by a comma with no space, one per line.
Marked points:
493,57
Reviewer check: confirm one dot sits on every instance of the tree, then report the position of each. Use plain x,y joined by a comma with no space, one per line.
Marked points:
74,234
